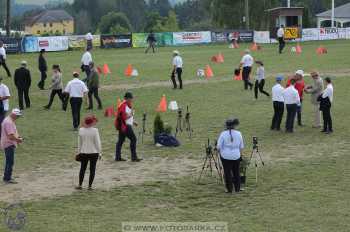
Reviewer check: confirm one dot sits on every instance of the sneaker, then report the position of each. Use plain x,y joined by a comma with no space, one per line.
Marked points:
136,160
78,188
46,107
120,160
10,182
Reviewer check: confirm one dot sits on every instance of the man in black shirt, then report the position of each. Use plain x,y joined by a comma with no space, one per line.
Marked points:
23,81
42,69
151,40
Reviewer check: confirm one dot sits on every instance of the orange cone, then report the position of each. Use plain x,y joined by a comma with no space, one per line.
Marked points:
299,49
128,70
208,72
162,107
109,112
238,75
214,59
321,50
99,70
106,69
220,58
254,47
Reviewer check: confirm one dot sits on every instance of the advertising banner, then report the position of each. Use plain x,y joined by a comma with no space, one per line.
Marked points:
139,40
12,45
310,34
53,43
228,36
79,41
262,37
30,44
291,33
185,38
116,41
328,33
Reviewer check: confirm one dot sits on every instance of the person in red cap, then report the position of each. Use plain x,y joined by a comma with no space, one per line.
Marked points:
89,149
124,124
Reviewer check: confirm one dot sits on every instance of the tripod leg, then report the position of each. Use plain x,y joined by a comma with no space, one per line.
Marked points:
261,160
203,168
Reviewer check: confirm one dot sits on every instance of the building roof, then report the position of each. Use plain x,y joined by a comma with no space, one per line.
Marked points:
50,16
339,12
284,8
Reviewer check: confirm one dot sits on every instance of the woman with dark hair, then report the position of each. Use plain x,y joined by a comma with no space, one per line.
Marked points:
89,149
56,87
230,146
260,80
326,99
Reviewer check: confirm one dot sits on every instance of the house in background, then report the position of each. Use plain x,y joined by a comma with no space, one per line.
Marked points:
341,17
53,22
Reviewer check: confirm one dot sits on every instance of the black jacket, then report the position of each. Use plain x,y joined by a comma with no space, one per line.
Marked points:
325,103
42,63
23,79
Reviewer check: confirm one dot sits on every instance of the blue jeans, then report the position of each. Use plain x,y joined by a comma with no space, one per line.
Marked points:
9,162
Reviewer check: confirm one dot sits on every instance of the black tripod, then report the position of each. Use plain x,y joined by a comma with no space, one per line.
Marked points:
257,157
179,122
143,131
187,123
211,160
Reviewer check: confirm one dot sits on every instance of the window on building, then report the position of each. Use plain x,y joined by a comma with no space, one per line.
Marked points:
38,32
50,24
45,25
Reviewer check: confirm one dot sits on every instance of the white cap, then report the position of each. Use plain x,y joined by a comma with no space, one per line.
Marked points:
16,112
176,52
23,62
300,72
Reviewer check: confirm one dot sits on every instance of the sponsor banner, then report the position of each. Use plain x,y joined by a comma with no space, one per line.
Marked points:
328,33
12,45
53,43
116,41
184,38
310,34
262,37
79,41
228,36
343,33
139,40
30,44
291,33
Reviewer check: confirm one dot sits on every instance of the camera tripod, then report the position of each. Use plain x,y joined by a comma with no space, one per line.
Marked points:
212,160
184,123
143,130
257,158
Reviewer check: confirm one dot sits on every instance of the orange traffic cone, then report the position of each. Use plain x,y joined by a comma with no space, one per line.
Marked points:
220,58
162,107
109,112
214,59
99,70
254,47
208,72
321,50
299,49
238,75
106,69
128,70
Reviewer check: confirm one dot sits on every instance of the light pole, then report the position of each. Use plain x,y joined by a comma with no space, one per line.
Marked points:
332,13
247,21
8,17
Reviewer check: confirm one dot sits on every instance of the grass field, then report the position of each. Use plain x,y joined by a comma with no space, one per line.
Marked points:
303,187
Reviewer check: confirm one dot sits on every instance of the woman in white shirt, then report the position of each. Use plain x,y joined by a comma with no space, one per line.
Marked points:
89,149
260,80
230,146
326,100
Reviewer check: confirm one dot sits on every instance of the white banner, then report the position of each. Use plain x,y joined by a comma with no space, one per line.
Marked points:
342,33
310,34
262,37
53,43
183,38
328,33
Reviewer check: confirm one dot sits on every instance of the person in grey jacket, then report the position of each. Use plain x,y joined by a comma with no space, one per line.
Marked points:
315,90
56,87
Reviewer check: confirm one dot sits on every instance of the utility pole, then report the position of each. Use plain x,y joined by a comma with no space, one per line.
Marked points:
247,20
8,17
332,13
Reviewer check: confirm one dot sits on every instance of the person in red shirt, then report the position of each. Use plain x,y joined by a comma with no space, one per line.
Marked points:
300,86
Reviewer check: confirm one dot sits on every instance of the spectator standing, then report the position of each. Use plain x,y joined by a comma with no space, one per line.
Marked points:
42,68
56,87
23,81
93,86
3,58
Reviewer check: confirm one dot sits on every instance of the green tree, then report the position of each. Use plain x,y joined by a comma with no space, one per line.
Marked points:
114,23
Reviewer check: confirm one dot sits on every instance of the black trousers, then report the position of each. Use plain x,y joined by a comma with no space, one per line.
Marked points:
129,133
327,119
299,110
232,176
278,108
23,94
259,86
291,112
178,73
75,103
245,76
282,44
87,70
151,45
3,64
41,83
60,95
92,158
94,92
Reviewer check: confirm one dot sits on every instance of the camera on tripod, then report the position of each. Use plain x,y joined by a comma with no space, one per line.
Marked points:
255,141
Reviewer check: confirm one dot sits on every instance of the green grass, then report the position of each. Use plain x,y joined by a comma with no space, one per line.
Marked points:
304,185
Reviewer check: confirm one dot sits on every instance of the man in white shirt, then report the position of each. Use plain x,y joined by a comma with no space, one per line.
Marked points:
3,58
4,101
177,69
85,63
89,38
76,89
247,63
278,104
292,100
280,37
326,100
